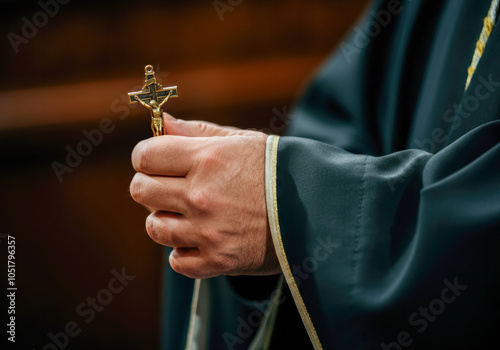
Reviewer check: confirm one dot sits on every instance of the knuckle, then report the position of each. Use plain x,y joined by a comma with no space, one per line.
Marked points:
142,158
136,187
210,154
203,127
174,264
152,228
160,232
200,200
183,269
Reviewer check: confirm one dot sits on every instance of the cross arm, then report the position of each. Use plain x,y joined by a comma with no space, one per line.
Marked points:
132,96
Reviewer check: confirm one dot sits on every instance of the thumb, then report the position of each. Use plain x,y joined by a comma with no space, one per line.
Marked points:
194,128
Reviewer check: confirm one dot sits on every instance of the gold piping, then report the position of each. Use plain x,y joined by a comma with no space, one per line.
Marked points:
272,212
489,22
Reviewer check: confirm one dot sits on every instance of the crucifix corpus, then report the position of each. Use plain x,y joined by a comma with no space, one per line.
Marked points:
153,96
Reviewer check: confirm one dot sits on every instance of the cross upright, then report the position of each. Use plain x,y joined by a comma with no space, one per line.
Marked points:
151,89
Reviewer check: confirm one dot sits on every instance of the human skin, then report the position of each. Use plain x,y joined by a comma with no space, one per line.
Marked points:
204,186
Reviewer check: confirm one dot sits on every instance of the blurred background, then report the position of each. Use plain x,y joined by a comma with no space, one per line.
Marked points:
67,131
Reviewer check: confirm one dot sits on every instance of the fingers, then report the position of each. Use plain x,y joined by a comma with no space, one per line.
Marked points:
188,258
174,154
191,262
159,193
165,155
168,117
195,128
170,229
187,262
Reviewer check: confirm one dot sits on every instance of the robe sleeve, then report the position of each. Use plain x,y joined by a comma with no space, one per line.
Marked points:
370,241
356,234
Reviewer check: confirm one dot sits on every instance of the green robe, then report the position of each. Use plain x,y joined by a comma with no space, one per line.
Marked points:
384,200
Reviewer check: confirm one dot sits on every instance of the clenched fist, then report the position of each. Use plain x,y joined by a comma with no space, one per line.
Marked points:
205,187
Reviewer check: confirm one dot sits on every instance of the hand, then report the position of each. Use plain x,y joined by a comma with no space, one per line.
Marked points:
205,186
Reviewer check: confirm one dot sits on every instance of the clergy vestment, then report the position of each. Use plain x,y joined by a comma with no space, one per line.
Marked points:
383,200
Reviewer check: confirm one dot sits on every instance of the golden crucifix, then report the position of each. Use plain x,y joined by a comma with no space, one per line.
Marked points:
153,96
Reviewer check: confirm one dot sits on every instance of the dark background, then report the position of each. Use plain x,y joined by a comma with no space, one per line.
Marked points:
241,69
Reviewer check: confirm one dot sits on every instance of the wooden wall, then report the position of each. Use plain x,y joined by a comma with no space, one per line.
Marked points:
72,75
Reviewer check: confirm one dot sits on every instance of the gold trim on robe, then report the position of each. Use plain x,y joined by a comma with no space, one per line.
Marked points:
272,212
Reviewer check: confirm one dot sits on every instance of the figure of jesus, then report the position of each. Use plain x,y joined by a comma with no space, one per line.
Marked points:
156,113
